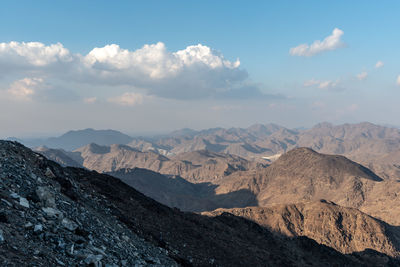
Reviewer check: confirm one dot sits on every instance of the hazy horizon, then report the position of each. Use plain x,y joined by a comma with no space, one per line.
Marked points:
137,69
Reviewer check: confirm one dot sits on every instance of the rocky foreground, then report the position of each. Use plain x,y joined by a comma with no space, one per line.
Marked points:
55,216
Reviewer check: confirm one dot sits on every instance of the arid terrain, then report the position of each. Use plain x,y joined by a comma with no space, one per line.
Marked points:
52,215
336,185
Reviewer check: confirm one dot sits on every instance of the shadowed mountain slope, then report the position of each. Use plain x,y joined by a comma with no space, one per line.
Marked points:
344,229
175,191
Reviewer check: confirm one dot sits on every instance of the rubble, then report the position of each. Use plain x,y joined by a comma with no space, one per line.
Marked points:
42,226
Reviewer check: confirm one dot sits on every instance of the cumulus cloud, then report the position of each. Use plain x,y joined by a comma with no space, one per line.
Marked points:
127,99
362,76
31,55
321,84
331,42
194,72
25,89
379,64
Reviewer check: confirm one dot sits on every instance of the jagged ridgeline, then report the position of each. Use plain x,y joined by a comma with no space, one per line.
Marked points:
56,216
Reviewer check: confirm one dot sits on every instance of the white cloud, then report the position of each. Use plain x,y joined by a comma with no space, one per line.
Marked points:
379,64
194,72
321,84
90,100
33,53
331,42
398,80
362,76
154,61
127,99
25,89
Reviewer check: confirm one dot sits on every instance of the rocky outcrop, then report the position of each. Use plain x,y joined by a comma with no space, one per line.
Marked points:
344,229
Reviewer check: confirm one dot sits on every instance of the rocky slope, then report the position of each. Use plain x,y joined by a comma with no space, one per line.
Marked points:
52,215
344,229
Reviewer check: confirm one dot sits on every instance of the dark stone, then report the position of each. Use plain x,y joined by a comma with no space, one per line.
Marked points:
3,218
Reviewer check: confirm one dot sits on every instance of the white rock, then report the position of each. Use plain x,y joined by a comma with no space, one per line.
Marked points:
28,225
70,225
24,202
14,195
50,212
38,228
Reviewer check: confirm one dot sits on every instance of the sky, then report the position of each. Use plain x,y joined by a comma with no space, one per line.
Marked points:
146,67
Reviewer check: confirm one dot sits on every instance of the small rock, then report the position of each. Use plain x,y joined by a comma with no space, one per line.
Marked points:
1,236
38,228
49,173
46,196
28,225
60,262
24,202
126,238
50,212
14,195
94,259
70,225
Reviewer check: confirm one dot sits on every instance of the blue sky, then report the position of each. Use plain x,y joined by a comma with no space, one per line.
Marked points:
340,83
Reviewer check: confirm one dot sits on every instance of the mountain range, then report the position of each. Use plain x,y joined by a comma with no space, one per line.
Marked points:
51,215
336,185
372,145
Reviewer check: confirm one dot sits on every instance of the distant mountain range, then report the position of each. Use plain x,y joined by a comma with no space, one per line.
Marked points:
75,139
372,145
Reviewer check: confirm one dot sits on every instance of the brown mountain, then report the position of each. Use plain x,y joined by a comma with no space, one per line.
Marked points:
344,229
196,166
362,142
303,174
52,215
